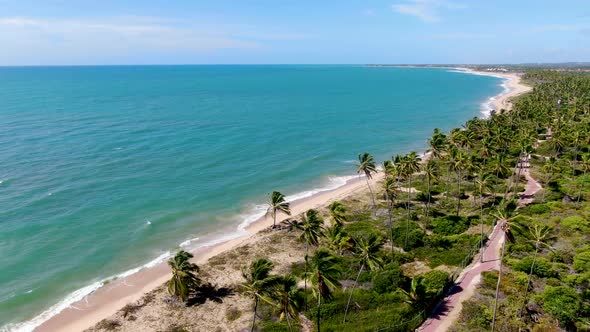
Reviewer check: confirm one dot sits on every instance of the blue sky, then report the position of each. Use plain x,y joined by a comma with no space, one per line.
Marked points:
60,32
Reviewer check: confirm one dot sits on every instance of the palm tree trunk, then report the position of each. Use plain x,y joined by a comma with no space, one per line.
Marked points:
498,286
372,196
305,278
352,291
520,162
391,225
274,221
288,320
408,209
481,221
254,318
459,194
528,282
428,202
319,311
581,186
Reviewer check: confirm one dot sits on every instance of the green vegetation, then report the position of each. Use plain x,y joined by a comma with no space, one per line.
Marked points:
389,257
545,275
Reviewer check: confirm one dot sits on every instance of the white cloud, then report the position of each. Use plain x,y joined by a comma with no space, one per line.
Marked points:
425,10
49,40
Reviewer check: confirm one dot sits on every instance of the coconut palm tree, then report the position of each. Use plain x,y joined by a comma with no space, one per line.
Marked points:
311,230
367,167
437,143
286,297
539,236
184,275
337,213
324,275
338,239
311,227
550,168
585,163
431,174
277,203
483,184
388,169
458,164
390,188
505,213
411,165
366,250
257,280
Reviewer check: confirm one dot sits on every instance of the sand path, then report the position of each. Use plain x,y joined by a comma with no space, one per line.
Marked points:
448,311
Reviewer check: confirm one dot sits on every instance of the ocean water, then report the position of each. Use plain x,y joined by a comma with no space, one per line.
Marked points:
106,169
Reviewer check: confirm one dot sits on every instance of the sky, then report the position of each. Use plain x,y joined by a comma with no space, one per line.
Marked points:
109,32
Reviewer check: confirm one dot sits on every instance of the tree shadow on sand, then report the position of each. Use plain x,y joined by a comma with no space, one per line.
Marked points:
209,292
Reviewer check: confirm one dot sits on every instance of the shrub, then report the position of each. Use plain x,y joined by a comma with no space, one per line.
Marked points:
542,268
536,209
415,236
561,256
435,282
275,327
389,279
561,302
449,225
582,261
575,223
476,315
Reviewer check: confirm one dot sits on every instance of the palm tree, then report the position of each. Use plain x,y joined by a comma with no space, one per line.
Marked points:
286,297
337,213
390,189
539,236
257,278
324,275
437,143
505,213
184,279
411,165
431,174
367,252
550,168
585,162
388,169
338,239
367,166
458,163
483,184
277,203
312,229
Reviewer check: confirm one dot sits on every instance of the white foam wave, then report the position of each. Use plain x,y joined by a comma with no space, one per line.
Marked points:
187,242
54,310
76,296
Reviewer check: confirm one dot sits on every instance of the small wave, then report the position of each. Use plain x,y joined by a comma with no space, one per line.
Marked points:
74,297
54,310
188,242
334,182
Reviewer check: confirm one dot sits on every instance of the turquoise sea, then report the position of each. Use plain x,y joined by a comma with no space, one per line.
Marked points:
106,169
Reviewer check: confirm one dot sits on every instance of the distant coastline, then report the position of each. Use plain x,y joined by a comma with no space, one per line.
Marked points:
107,299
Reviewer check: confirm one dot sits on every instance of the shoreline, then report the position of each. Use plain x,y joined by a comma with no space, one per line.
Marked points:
106,299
